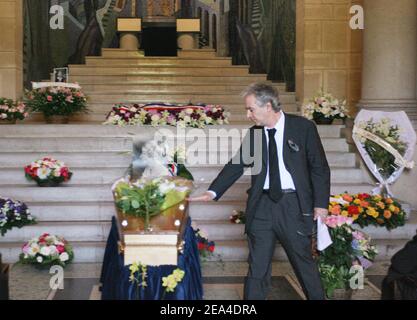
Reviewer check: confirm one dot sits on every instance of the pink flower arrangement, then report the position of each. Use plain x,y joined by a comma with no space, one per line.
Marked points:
337,221
50,101
12,110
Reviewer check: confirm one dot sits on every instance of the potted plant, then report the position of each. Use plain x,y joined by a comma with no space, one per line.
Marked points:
47,250
10,111
48,172
57,104
324,108
350,248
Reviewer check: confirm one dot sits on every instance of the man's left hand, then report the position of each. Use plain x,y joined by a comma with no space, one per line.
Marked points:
320,212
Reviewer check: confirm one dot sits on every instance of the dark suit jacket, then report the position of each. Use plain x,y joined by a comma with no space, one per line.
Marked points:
308,167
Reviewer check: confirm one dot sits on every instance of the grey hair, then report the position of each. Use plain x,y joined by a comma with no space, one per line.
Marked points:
263,93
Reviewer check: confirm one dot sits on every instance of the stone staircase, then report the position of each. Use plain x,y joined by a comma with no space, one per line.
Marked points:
197,76
81,209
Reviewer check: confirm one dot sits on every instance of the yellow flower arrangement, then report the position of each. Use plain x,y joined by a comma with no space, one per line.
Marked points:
366,209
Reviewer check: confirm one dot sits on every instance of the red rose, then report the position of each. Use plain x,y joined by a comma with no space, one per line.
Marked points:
211,248
353,210
363,196
49,98
60,249
200,246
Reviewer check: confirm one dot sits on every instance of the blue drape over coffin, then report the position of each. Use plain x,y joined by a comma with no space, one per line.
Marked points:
115,275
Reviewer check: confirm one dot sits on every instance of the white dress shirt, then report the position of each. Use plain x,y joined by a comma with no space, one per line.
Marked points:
286,179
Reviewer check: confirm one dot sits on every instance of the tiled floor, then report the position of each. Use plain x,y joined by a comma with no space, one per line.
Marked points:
221,281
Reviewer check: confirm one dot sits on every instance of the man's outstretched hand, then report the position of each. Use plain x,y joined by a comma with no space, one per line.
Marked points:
207,196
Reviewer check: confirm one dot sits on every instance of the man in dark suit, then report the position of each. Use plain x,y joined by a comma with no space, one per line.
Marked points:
287,194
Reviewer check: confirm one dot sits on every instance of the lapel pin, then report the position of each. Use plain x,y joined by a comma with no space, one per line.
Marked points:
293,145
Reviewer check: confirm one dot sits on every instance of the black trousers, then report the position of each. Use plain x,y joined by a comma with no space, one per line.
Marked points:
282,221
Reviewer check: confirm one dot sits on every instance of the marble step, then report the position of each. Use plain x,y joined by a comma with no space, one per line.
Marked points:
98,130
84,251
225,230
158,61
229,250
106,175
123,53
134,96
17,160
163,71
105,210
83,160
123,144
168,79
99,116
237,250
197,53
117,87
96,193
72,231
62,194
238,190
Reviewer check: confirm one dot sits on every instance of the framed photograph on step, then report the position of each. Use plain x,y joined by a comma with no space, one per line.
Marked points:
61,75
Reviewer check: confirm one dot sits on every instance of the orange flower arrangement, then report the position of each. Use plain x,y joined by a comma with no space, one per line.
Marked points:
366,209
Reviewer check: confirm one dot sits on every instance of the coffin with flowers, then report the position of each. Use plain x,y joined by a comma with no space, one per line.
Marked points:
151,219
161,114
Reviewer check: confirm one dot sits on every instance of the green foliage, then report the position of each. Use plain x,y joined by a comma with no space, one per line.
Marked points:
144,201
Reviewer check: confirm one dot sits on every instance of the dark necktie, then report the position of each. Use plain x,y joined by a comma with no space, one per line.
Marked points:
275,191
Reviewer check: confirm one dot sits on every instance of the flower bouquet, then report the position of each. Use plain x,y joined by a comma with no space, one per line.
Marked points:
139,275
177,166
146,198
197,116
58,101
365,209
205,247
238,217
324,108
11,111
46,251
48,172
349,248
14,214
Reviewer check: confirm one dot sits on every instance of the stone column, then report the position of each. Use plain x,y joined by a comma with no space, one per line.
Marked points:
11,49
389,55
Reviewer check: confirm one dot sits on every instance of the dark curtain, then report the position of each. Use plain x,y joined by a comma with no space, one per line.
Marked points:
36,47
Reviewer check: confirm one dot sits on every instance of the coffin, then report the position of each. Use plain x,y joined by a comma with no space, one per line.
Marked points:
161,245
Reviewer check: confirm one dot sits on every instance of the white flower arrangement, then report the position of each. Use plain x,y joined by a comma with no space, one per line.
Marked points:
324,105
47,250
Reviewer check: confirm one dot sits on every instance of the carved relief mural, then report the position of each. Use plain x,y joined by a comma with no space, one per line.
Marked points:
161,8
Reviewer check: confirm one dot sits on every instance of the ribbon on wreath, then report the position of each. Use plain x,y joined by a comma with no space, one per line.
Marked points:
399,159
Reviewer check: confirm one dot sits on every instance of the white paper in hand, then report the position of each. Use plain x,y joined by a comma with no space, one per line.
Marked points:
323,236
